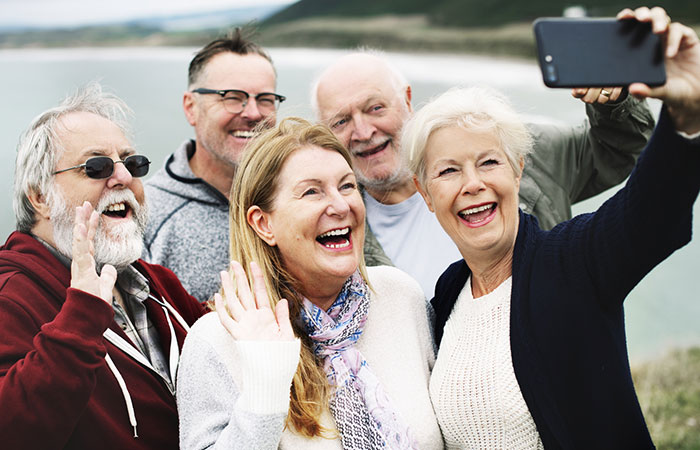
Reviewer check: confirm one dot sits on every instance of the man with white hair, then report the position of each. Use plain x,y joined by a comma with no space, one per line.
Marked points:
91,335
365,101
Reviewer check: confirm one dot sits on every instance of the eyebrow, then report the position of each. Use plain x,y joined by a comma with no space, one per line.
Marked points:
368,101
101,151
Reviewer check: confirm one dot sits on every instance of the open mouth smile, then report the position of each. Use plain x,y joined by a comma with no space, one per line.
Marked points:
245,134
478,215
373,151
117,210
338,239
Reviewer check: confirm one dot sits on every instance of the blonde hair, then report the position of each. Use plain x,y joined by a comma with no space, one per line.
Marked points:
474,108
256,183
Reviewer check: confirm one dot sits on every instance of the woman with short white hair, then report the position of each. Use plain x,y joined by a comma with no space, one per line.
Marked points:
530,324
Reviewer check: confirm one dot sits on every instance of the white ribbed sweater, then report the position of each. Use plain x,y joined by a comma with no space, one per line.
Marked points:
234,395
476,396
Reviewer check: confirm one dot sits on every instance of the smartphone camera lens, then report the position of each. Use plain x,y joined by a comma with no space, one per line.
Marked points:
551,73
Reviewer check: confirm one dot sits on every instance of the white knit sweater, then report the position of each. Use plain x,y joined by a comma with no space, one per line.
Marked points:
476,396
235,395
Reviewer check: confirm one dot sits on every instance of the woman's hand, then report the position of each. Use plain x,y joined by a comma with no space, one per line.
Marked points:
82,269
251,318
681,93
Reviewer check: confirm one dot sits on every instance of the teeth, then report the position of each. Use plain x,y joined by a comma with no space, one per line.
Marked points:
339,232
466,212
343,245
244,134
116,207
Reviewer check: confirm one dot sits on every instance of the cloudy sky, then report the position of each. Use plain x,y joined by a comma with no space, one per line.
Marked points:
79,12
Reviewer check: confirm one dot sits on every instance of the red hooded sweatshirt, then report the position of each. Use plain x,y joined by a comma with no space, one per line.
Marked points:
56,389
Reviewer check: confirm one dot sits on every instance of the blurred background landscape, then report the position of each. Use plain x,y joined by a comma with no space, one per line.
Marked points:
140,51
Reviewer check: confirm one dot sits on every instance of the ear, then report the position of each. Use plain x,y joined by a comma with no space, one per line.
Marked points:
517,178
423,193
39,204
189,106
259,220
408,98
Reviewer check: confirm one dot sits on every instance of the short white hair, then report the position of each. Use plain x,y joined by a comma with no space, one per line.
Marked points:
39,147
397,79
473,108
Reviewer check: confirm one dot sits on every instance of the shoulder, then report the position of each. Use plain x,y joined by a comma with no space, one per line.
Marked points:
388,280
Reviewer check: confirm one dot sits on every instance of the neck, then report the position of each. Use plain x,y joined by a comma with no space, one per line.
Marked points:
212,170
323,295
395,194
489,269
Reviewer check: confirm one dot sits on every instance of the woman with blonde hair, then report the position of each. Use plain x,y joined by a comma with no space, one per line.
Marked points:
351,368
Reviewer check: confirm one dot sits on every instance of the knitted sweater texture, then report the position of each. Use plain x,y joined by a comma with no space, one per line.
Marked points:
220,380
567,332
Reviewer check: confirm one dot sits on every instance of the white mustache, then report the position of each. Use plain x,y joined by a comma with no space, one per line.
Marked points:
120,196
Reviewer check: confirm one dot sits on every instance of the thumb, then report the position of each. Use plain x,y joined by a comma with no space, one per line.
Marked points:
107,279
641,90
282,313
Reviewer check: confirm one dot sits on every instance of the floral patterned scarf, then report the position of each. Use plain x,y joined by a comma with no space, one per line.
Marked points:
362,411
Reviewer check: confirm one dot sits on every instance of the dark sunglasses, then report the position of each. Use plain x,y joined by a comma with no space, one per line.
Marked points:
99,167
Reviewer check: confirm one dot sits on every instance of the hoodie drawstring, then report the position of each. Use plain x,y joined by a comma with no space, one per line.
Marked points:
173,360
125,393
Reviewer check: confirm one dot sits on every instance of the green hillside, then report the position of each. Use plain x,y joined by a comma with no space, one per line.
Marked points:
469,13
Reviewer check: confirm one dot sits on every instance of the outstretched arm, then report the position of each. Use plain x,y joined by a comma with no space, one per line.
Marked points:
571,164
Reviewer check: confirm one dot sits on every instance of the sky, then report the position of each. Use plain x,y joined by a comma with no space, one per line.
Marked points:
81,12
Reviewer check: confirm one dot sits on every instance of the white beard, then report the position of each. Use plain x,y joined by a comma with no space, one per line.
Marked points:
119,246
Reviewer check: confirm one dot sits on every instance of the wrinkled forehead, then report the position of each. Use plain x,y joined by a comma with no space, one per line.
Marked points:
345,89
83,134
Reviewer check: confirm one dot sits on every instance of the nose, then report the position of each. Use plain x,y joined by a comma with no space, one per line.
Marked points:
251,111
120,177
472,183
362,130
338,205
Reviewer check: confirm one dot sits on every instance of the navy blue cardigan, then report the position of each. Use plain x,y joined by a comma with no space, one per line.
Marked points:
567,331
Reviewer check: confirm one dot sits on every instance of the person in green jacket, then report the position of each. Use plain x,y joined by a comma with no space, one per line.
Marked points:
366,101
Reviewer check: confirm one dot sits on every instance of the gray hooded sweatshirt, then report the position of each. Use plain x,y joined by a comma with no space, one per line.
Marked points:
188,228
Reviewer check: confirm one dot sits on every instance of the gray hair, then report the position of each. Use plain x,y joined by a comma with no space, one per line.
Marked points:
474,108
398,80
39,148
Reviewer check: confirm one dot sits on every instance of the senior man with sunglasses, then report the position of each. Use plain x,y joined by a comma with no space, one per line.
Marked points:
91,335
230,94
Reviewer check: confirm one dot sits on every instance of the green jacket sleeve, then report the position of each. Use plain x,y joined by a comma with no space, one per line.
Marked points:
570,164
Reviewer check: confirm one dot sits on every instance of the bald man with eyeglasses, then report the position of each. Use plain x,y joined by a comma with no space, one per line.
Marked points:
230,95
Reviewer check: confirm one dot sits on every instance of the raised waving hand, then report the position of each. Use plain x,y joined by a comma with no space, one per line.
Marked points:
247,315
83,272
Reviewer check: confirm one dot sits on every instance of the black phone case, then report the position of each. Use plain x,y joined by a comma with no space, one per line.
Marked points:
598,52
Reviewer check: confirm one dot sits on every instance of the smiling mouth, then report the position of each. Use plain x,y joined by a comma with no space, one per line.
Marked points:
373,151
245,134
478,213
117,210
335,239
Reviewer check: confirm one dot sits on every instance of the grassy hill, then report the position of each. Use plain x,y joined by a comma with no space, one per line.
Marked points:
469,13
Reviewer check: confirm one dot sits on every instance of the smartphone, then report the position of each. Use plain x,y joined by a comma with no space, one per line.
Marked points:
598,52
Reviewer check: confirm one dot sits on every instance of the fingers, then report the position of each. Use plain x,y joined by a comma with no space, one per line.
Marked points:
226,320
83,263
232,301
261,299
108,277
597,94
244,294
282,314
